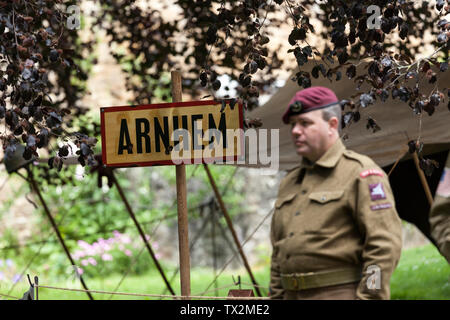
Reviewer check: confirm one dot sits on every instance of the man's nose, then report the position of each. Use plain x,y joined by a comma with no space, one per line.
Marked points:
296,130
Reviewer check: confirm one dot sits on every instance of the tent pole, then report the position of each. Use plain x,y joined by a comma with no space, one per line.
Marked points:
55,228
230,226
141,232
423,180
403,152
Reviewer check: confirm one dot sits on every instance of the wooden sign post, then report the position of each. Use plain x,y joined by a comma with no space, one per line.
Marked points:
146,135
183,226
193,132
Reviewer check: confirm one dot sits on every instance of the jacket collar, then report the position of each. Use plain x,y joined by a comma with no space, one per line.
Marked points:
329,159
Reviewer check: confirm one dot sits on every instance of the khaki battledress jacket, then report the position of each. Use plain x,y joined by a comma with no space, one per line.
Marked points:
336,213
440,213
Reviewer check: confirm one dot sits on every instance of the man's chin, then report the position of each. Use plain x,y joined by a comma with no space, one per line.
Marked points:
302,152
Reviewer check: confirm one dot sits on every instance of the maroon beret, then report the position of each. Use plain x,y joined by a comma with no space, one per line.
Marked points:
310,99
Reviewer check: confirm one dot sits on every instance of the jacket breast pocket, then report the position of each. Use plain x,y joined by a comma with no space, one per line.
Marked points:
325,211
284,201
283,208
326,196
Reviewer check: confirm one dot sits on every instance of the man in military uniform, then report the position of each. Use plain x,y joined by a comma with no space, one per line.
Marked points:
440,213
335,230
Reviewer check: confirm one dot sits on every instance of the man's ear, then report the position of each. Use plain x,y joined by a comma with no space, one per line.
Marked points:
334,123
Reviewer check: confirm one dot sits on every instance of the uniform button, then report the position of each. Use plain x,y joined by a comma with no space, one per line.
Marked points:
297,213
291,234
304,191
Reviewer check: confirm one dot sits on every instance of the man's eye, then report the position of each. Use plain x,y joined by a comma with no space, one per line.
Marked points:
300,123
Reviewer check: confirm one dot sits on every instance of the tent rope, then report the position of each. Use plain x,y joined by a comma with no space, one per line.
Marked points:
151,295
243,244
8,296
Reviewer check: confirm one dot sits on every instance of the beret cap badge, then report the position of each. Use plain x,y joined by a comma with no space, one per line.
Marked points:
296,106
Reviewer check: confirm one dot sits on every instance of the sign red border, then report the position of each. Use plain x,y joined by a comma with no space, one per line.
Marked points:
103,110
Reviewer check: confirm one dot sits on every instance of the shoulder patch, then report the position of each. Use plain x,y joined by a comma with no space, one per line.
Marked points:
371,172
381,206
377,191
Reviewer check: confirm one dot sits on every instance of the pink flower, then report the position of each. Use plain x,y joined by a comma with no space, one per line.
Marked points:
84,244
78,254
92,261
84,262
128,252
104,246
90,252
79,271
107,257
97,248
126,239
16,278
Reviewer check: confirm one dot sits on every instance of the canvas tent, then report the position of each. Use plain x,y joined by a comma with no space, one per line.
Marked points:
398,125
396,119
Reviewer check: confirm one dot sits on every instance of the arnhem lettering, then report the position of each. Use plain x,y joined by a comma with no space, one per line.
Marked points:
158,134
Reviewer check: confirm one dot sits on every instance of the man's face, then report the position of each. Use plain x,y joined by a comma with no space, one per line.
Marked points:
312,136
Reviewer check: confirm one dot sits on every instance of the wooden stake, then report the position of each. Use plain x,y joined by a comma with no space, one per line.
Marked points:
36,283
183,227
423,179
230,226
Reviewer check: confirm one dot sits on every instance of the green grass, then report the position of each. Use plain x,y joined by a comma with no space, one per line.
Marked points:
150,283
422,273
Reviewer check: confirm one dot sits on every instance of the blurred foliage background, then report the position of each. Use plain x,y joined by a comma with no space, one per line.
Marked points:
93,220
